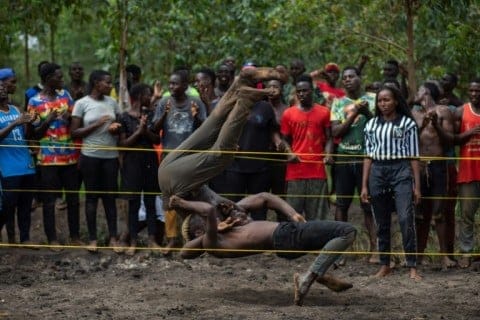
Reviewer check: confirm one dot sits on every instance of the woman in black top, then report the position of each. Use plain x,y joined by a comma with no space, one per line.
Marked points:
140,163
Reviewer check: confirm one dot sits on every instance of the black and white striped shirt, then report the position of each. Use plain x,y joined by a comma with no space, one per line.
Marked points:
397,139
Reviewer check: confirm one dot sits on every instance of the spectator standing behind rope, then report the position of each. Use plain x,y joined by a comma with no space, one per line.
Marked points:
434,122
178,115
467,119
77,87
57,157
17,168
277,168
139,165
349,116
391,174
93,119
307,127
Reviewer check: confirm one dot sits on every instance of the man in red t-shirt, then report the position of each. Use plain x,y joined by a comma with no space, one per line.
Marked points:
468,122
307,127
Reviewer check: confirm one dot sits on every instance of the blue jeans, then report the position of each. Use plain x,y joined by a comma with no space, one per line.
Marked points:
392,182
469,194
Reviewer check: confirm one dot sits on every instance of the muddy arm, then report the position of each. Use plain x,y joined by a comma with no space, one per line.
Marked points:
210,239
187,253
270,201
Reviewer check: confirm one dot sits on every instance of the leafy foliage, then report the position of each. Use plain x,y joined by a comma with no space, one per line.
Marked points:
162,34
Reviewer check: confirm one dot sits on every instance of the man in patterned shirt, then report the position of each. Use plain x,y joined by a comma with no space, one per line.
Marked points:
349,116
57,157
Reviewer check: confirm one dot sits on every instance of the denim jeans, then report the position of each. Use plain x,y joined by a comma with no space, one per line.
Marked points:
334,236
469,194
392,182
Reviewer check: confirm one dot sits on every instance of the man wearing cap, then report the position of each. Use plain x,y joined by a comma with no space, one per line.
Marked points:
328,84
9,80
16,166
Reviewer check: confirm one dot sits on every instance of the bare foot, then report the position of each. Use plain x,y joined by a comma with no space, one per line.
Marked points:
131,250
154,247
302,283
76,242
29,245
465,262
414,275
448,263
167,252
92,246
115,245
374,259
55,246
298,300
383,272
333,283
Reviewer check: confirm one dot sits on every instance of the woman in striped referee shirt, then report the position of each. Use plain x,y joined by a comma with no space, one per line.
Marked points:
391,174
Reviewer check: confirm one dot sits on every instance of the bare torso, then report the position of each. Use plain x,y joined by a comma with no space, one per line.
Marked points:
256,235
430,142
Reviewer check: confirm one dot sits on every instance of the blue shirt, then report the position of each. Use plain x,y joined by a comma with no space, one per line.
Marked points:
15,158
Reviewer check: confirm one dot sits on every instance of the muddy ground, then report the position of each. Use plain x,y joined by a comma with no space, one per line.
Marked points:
75,284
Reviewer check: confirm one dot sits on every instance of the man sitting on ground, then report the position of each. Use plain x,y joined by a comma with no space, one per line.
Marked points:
202,230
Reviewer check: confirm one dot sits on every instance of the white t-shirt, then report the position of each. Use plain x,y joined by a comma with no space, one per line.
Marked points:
100,143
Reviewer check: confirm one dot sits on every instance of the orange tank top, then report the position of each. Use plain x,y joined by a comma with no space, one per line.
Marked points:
469,169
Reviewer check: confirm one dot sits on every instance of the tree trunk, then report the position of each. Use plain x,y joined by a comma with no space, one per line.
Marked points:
412,82
53,29
123,98
26,56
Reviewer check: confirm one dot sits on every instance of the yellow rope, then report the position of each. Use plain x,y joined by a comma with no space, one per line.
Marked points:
102,147
222,194
46,246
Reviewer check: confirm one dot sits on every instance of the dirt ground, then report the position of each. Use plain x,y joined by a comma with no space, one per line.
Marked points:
75,284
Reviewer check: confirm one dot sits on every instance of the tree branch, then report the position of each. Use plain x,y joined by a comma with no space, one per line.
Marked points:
403,49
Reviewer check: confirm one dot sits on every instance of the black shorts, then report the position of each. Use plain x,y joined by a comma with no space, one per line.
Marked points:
348,177
434,184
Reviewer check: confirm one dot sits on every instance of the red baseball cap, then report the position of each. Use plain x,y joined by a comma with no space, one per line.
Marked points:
331,67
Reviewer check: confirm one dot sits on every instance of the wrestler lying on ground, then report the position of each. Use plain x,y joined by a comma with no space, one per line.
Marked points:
202,230
204,154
